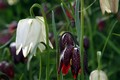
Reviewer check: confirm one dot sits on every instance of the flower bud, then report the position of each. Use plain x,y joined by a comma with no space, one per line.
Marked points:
98,75
101,25
86,43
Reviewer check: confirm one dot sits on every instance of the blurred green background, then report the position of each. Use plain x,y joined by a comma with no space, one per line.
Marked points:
97,29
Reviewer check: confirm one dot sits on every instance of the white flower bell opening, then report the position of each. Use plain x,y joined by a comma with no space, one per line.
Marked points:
110,6
98,75
30,34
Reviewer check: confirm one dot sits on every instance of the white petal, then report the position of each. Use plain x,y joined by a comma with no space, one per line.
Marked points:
25,51
41,47
18,48
34,33
50,44
22,32
43,33
110,6
114,5
105,6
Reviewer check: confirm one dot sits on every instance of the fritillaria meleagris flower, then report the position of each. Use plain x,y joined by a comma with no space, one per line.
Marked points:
110,6
7,69
30,33
98,75
69,55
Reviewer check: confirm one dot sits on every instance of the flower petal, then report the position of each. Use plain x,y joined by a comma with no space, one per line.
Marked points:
75,67
43,31
105,6
65,59
22,34
18,48
66,39
41,47
25,51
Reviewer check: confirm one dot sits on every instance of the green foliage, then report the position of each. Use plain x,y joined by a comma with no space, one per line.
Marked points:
102,30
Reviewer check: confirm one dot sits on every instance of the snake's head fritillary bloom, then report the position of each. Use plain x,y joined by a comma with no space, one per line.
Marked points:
30,33
110,6
7,68
98,75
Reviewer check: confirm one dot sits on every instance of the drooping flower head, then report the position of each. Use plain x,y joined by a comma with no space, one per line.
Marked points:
69,55
30,33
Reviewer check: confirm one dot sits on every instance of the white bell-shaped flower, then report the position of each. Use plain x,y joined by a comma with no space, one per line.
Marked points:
98,75
30,33
110,6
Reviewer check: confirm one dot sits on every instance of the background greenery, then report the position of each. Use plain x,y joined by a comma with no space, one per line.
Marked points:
97,29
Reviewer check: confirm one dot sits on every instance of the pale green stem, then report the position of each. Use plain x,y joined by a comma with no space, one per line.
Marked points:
99,63
99,59
91,41
81,39
108,37
40,67
56,42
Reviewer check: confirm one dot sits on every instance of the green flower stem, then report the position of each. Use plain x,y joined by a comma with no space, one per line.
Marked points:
99,63
81,38
31,11
21,77
99,59
108,36
68,22
110,43
30,73
47,32
67,8
56,42
40,67
77,20
91,41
